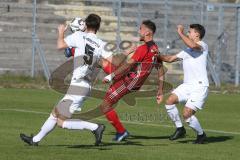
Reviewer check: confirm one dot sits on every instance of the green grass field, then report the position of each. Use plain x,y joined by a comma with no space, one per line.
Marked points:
25,110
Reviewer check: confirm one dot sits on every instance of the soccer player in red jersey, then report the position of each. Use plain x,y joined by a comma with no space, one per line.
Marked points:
130,76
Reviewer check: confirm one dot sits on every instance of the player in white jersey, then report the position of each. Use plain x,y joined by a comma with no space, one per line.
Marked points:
89,50
194,89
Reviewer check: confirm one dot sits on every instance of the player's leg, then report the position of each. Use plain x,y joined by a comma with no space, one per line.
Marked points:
112,117
195,102
178,95
191,119
64,117
64,113
173,113
46,128
113,95
172,110
61,113
77,124
51,122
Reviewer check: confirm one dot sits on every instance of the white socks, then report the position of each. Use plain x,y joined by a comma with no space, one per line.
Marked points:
195,125
174,115
47,127
192,121
51,122
78,124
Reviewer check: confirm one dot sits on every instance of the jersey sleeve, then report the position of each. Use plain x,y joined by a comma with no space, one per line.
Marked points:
138,55
71,39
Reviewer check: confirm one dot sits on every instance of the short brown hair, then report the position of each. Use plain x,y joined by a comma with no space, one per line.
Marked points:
150,25
199,28
93,22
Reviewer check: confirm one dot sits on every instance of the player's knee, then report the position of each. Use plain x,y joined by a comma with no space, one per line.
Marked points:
105,107
54,113
63,109
170,101
186,114
60,122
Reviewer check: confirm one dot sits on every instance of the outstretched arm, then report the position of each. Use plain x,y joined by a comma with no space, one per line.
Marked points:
160,83
120,58
168,58
124,66
61,44
190,43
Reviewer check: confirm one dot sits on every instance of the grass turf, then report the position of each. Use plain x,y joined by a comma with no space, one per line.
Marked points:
147,123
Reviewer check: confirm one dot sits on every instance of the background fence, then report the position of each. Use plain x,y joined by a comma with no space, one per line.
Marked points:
29,35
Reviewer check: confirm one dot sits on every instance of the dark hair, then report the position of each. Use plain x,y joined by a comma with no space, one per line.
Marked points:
150,25
93,22
199,28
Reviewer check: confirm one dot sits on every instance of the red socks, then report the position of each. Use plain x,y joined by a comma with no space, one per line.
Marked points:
114,120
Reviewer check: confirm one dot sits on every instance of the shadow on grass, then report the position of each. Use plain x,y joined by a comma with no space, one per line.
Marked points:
130,141
132,136
147,137
216,139
212,139
102,146
108,144
83,146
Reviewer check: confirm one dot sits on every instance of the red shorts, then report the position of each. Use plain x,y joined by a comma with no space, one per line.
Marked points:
116,91
122,86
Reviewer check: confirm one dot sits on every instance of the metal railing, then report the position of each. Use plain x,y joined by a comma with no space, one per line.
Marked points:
36,46
163,13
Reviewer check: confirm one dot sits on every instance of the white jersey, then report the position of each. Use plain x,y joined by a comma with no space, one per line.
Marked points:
89,49
195,65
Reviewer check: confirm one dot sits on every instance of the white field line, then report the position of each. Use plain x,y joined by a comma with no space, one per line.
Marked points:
126,122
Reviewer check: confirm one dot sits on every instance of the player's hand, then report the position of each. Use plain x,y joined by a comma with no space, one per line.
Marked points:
159,98
180,29
62,28
108,78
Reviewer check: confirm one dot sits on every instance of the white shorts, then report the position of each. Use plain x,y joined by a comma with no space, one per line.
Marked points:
78,92
193,95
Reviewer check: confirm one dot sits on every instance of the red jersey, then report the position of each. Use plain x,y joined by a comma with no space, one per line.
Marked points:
145,57
135,76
